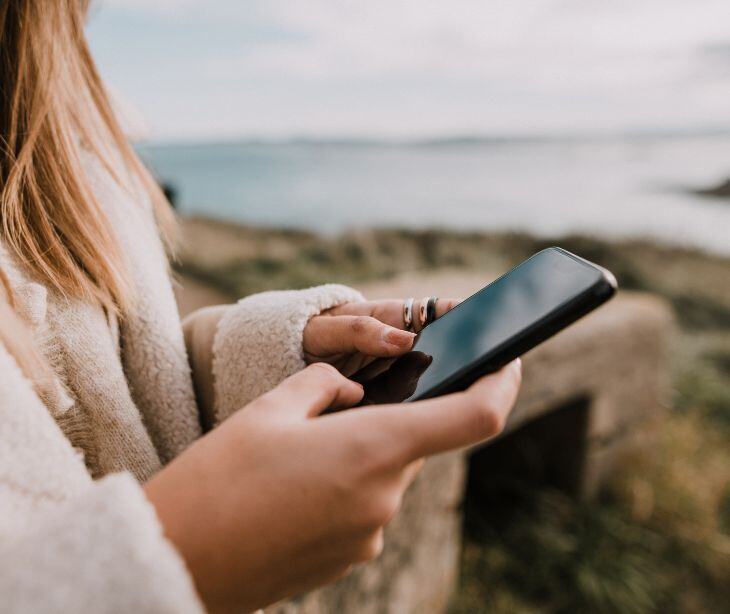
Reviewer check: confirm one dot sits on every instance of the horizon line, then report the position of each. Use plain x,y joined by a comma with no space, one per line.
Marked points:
454,139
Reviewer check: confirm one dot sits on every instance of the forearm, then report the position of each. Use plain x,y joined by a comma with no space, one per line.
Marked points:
238,352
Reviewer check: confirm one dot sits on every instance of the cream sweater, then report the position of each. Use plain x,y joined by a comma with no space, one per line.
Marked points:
76,531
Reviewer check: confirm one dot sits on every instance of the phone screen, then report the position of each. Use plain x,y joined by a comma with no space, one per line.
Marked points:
481,325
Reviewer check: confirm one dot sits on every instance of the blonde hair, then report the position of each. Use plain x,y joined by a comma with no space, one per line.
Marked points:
51,99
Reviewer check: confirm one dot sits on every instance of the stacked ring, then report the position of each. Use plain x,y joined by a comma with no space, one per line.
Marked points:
408,314
431,309
427,311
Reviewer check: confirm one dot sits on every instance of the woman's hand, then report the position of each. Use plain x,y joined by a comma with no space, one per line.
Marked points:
351,335
278,499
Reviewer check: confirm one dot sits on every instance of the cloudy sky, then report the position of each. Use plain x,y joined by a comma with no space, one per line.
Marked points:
212,69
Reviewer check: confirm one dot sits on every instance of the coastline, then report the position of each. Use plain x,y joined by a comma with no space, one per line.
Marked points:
620,187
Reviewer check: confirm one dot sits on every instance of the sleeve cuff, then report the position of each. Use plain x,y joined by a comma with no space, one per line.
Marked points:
259,341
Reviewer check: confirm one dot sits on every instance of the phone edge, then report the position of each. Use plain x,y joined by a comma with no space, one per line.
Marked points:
563,316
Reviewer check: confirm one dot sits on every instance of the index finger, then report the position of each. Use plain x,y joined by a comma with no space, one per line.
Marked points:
389,311
424,428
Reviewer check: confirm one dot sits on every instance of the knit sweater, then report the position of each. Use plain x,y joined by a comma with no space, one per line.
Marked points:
76,531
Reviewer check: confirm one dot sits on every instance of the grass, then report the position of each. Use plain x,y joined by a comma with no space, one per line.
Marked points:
658,540
243,260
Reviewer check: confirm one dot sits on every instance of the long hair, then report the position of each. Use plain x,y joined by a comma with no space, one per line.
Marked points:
51,101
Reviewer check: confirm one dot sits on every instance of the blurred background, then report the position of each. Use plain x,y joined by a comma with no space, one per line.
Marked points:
318,141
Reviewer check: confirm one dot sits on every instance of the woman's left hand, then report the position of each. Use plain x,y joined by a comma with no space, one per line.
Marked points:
351,335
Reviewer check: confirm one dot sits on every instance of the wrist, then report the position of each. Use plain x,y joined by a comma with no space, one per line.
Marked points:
173,511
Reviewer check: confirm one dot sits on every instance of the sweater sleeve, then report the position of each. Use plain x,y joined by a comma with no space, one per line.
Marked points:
67,543
239,352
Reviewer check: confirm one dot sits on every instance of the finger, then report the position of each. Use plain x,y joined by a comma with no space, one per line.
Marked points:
397,382
373,369
313,390
390,311
330,335
411,471
446,423
443,306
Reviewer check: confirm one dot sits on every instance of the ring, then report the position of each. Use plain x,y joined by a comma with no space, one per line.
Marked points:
408,313
431,309
427,311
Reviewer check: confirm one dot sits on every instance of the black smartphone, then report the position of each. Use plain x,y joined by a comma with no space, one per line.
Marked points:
532,302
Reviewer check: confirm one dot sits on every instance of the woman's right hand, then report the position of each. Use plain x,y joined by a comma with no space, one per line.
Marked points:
278,499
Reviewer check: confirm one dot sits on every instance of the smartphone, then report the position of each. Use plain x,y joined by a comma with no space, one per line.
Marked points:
532,302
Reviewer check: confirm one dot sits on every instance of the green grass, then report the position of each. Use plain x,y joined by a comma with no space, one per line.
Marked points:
659,538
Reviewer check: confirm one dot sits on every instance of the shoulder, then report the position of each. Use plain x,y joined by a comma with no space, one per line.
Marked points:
22,414
13,384
27,335
30,295
36,460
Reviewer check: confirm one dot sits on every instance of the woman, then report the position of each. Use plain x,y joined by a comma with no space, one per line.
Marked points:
152,466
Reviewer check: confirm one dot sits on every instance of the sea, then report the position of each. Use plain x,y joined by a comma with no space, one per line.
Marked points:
635,186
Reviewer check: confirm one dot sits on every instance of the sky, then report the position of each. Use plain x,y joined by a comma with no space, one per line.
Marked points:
227,69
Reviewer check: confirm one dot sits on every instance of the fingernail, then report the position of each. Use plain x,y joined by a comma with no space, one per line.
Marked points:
399,338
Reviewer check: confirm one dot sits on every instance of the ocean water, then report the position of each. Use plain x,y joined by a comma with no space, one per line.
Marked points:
606,187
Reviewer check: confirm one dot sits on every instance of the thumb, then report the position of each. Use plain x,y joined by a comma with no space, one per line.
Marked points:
424,428
311,391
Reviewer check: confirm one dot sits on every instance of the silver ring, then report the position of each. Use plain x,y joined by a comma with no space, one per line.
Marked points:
408,313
